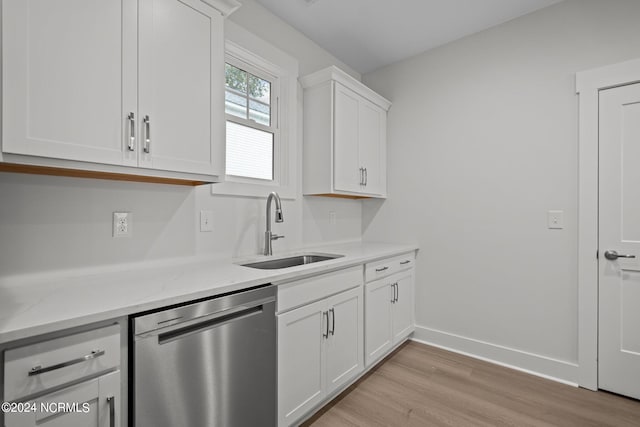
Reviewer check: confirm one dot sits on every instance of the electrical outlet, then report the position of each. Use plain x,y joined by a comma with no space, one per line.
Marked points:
122,224
206,221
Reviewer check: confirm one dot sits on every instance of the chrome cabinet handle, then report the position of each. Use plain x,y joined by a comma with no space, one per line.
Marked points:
366,177
614,255
361,176
37,370
397,292
147,137
333,321
111,401
393,289
326,333
381,269
132,132
405,262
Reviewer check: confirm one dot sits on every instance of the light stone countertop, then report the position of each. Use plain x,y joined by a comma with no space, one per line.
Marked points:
42,303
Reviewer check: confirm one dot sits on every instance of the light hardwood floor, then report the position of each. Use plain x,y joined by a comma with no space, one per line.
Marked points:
419,385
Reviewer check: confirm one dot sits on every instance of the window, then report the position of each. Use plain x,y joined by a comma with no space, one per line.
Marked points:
260,108
251,131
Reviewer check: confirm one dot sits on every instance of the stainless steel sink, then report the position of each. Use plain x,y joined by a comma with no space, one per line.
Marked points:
292,261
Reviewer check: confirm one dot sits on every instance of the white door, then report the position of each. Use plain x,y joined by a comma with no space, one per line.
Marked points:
403,307
181,83
69,78
94,400
372,124
377,324
344,344
347,173
301,336
619,230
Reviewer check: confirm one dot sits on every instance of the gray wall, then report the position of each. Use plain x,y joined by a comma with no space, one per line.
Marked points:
52,223
482,142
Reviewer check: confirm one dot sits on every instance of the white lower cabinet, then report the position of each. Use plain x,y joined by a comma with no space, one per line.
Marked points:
389,313
301,351
377,320
68,381
320,349
345,338
92,403
402,310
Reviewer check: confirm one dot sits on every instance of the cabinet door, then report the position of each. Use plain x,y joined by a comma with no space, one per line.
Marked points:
69,78
372,147
181,83
377,327
300,355
346,172
345,341
90,403
403,309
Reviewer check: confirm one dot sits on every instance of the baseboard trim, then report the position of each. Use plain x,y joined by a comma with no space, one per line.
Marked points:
530,363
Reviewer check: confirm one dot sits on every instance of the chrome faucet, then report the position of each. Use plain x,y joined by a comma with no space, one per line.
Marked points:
268,235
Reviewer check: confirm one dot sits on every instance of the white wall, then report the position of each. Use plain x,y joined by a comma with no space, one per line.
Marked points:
482,142
49,223
255,18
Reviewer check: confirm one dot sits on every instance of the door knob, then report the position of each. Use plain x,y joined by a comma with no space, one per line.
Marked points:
613,255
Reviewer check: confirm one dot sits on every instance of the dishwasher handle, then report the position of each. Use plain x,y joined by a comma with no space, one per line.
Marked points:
207,322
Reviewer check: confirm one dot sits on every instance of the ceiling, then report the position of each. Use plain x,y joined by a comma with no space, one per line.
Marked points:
369,34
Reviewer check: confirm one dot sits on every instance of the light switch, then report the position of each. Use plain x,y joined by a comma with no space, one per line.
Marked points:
206,221
555,219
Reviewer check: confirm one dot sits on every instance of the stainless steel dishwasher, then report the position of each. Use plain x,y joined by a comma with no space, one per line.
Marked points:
207,364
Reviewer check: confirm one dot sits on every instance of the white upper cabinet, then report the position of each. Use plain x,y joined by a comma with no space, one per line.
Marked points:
345,126
181,86
131,86
372,146
68,78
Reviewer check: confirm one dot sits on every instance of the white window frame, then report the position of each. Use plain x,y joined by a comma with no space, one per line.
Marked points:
273,128
258,57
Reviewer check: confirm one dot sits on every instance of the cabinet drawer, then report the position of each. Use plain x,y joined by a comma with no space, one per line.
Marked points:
295,294
41,366
383,268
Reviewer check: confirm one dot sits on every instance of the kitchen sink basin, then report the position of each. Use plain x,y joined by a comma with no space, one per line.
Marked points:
292,261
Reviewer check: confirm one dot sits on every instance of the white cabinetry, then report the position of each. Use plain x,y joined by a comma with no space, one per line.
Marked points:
68,78
132,86
389,305
345,126
73,381
320,343
93,399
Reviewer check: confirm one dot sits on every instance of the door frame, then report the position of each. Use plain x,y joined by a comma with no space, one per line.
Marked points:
588,85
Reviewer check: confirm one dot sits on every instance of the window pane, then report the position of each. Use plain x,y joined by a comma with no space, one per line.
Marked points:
249,152
235,78
259,112
259,89
235,104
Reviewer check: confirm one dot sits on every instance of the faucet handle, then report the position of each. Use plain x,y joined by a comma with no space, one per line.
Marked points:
276,237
